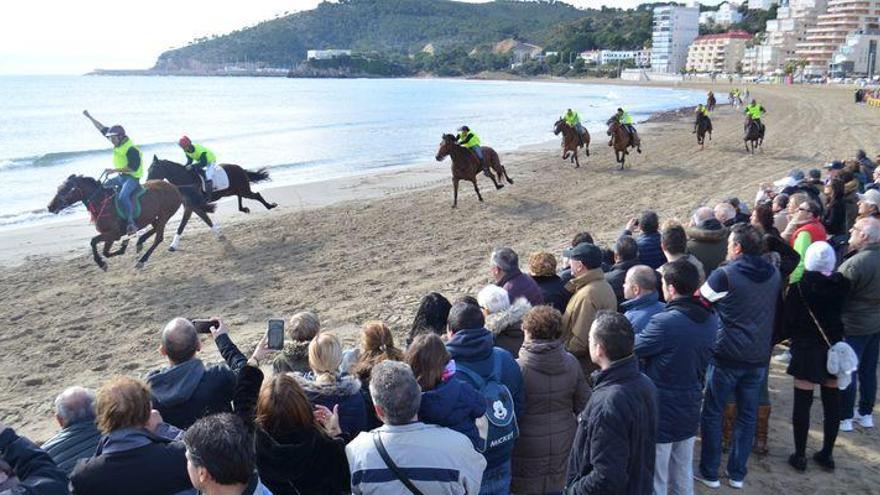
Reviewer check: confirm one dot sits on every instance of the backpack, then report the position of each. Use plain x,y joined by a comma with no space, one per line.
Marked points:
498,427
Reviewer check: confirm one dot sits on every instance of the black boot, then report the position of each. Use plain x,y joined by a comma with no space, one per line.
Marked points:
486,171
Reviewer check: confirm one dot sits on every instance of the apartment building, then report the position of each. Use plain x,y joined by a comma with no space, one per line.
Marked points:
842,18
674,30
717,52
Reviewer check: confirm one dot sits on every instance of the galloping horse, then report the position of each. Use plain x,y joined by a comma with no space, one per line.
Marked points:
466,166
160,201
620,140
753,135
710,102
704,125
571,141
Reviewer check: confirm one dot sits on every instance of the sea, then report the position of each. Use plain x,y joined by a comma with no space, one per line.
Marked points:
302,130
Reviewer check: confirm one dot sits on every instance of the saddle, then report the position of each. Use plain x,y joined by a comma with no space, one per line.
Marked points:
136,203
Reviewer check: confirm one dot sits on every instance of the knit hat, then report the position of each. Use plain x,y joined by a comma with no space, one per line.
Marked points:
820,257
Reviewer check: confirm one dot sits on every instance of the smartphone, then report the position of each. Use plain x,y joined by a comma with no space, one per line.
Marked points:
275,334
204,325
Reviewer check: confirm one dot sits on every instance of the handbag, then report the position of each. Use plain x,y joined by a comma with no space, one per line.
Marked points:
400,475
821,331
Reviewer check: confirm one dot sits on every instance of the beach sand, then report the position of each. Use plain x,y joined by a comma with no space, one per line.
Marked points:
394,238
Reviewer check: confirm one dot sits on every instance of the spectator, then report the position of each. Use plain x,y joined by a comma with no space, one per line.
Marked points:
27,470
675,347
834,218
707,239
507,275
876,180
742,211
565,273
626,256
556,392
450,465
431,316
804,229
867,166
778,252
188,390
542,268
220,457
326,387
852,186
869,204
673,241
861,320
780,213
78,438
614,447
744,293
649,240
446,400
591,293
833,169
479,362
642,300
820,294
725,213
132,457
377,345
504,319
295,357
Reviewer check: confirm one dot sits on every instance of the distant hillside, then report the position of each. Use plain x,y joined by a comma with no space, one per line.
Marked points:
613,29
392,27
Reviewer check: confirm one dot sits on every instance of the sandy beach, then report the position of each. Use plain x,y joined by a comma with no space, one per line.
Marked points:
369,247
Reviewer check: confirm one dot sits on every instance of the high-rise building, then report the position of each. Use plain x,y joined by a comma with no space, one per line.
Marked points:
782,35
674,30
857,55
718,53
832,28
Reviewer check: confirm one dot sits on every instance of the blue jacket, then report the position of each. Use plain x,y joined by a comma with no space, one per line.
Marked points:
472,349
744,294
650,252
640,310
33,467
346,392
454,404
74,442
675,348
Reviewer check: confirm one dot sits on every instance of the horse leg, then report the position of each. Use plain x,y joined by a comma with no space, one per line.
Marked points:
259,197
121,250
477,189
142,239
492,176
577,163
175,242
215,227
454,192
241,207
159,229
95,240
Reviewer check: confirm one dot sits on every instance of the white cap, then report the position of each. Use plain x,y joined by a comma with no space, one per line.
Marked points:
820,257
872,197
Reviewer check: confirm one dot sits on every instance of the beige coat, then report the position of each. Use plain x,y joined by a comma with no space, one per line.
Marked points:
591,294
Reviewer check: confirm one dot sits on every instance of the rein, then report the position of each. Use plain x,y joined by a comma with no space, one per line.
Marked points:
100,211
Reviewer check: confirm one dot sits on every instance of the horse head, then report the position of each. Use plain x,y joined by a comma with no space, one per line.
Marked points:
613,124
446,145
74,189
557,127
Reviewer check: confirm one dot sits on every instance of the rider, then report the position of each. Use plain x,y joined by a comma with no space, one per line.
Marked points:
700,112
754,111
574,120
202,159
626,120
471,141
128,164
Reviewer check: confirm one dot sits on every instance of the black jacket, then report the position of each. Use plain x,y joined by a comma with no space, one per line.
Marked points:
617,275
74,442
825,297
614,447
33,467
834,218
555,293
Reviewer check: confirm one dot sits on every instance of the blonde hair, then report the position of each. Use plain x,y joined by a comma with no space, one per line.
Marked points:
325,355
122,402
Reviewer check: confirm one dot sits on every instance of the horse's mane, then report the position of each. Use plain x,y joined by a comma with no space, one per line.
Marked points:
162,161
90,180
448,137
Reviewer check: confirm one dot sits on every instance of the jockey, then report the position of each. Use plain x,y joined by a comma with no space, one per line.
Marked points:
627,121
202,159
128,164
471,141
574,120
754,112
700,112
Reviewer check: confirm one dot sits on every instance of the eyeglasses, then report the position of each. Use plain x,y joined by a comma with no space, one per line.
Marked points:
805,209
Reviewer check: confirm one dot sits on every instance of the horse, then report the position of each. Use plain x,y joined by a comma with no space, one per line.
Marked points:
620,141
710,102
571,141
160,201
704,125
239,185
753,135
466,165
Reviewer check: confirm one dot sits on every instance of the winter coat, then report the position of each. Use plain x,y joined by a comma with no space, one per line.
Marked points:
554,291
294,358
74,442
851,201
591,294
520,284
744,293
675,348
617,275
650,252
473,349
556,392
455,404
826,297
345,391
36,472
834,218
506,326
614,447
708,242
861,313
640,310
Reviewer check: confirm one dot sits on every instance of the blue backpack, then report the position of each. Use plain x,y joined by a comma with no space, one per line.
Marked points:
498,427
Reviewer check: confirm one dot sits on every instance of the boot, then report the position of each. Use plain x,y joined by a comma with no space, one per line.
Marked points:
131,229
209,189
486,171
762,430
727,425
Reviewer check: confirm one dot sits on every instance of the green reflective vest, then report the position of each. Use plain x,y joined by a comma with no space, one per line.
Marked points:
196,154
626,118
754,111
120,158
572,118
474,141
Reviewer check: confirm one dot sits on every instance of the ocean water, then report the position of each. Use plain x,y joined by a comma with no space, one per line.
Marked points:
303,130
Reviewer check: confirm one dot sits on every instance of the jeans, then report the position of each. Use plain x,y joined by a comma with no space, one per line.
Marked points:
496,481
674,469
745,386
478,151
866,348
126,185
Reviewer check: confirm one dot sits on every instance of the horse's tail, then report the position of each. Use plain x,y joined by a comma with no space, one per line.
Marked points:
194,199
495,162
258,176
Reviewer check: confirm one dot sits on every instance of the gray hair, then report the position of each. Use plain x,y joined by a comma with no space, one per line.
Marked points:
702,214
871,228
180,340
75,405
394,389
724,212
643,276
506,259
493,298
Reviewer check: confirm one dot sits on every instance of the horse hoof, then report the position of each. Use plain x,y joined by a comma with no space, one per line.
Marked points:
103,267
221,237
273,205
172,249
499,186
139,265
245,210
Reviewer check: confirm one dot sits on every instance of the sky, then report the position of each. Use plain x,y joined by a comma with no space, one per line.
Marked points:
74,37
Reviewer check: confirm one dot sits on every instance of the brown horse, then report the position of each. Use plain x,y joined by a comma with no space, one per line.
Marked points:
752,136
710,102
466,165
704,125
620,141
159,203
571,142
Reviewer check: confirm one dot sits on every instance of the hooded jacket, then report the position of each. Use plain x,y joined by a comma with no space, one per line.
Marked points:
472,349
36,472
519,285
345,391
190,390
302,462
294,357
556,392
591,294
553,288
675,348
708,242
640,310
506,326
744,293
454,404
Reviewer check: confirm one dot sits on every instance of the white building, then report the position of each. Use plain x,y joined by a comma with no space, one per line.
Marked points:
726,15
779,46
674,30
642,58
832,28
857,55
326,54
762,4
